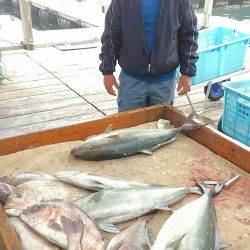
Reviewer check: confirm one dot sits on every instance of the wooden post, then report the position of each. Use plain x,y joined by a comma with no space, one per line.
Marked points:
208,7
27,24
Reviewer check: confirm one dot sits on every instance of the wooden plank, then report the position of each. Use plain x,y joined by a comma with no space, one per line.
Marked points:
111,111
183,101
8,237
80,131
232,151
40,107
48,125
106,105
100,97
11,122
32,92
28,85
20,101
26,78
218,105
217,142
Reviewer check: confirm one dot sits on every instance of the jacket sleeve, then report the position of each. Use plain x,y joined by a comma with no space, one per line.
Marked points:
187,40
111,39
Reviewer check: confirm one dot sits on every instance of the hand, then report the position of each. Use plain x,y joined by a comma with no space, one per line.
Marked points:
184,85
110,82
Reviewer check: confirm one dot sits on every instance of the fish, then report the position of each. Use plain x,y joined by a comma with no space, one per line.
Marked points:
32,192
65,225
135,237
121,143
193,226
95,182
29,239
17,179
5,190
111,206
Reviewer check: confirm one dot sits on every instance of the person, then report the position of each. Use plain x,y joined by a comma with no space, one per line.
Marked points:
149,39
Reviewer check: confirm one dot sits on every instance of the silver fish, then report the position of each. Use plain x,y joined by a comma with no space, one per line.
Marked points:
95,182
117,144
29,239
65,225
118,205
135,237
17,179
193,226
5,190
33,192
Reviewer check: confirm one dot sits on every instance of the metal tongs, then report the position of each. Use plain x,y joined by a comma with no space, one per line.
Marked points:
224,184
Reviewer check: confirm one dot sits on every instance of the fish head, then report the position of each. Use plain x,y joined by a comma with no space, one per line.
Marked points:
5,190
87,150
21,198
37,213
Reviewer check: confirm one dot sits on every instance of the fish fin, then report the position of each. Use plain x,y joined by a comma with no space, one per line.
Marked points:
215,191
74,231
108,227
196,190
147,217
108,129
114,136
164,207
161,123
147,152
150,237
98,185
190,124
176,242
82,200
219,244
154,185
5,190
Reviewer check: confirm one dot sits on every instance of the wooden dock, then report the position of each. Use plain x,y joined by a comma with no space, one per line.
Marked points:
48,88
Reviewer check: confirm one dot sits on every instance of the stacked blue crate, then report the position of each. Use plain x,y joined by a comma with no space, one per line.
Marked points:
236,112
222,51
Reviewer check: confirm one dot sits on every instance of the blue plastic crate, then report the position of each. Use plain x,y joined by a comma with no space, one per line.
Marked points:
236,113
222,51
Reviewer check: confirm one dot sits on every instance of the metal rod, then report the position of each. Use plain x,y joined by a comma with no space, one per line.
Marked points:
232,181
206,98
190,102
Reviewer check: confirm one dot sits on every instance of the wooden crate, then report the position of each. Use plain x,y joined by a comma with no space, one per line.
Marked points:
218,143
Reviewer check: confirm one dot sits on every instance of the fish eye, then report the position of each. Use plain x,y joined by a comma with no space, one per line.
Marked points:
18,195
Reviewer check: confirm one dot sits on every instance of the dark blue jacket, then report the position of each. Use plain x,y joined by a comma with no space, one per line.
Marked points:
175,39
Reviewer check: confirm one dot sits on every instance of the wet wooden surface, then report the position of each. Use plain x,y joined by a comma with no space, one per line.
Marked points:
176,164
47,87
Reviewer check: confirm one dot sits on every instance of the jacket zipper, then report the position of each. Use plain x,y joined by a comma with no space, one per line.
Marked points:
149,67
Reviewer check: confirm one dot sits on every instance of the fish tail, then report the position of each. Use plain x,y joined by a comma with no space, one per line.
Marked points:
190,124
196,190
147,217
215,190
74,231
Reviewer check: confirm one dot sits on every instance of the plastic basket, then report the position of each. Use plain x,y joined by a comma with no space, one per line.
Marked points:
222,51
236,113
